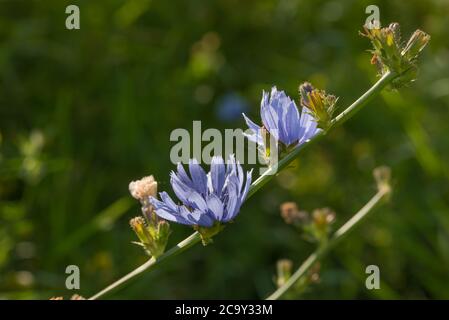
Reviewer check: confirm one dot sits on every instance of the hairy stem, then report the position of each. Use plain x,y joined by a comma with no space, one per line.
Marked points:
334,240
259,183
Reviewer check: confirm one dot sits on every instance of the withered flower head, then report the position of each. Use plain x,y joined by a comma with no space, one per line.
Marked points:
144,188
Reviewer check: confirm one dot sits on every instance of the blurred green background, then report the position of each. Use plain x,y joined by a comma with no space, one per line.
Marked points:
84,112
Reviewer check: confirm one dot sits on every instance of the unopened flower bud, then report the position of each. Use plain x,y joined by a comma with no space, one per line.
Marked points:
314,273
141,230
284,271
323,217
153,237
320,104
304,90
163,231
382,175
414,46
292,215
389,54
396,30
322,220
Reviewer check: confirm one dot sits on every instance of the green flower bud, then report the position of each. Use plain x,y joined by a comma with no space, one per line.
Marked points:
382,175
390,55
320,104
284,271
141,230
154,237
320,226
415,45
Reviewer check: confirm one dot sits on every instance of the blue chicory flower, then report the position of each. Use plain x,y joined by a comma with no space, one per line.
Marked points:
207,199
282,120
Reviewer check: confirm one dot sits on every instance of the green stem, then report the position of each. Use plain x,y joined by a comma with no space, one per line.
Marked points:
334,240
364,99
180,247
259,183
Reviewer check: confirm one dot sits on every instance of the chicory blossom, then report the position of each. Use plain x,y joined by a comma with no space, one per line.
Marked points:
282,119
208,200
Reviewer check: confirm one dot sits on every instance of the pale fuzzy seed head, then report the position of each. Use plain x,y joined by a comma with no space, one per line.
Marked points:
143,188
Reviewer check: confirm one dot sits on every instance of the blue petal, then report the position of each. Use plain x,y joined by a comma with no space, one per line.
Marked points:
188,196
308,126
251,124
291,123
269,115
215,206
183,176
199,218
240,175
168,201
199,177
181,190
167,211
247,186
230,165
306,119
232,204
205,221
216,176
197,201
256,136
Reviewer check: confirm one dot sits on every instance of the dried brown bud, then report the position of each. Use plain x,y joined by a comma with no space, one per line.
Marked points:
291,214
323,217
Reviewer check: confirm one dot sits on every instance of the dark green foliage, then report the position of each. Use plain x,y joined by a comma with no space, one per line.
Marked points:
84,112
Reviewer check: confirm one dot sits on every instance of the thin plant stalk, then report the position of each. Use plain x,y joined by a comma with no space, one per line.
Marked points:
339,235
151,263
259,183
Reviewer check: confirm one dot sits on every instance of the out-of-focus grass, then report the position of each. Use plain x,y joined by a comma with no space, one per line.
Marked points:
84,112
